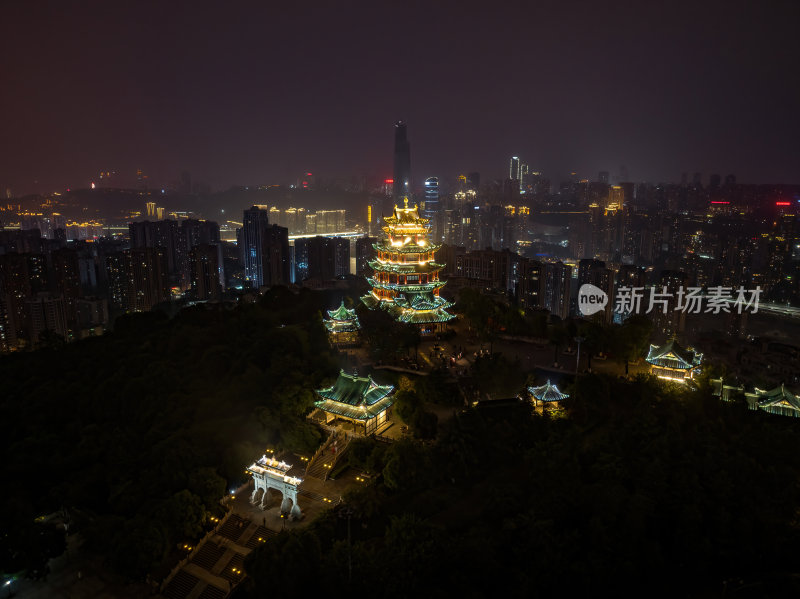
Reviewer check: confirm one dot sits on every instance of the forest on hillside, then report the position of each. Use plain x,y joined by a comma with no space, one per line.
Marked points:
632,487
137,434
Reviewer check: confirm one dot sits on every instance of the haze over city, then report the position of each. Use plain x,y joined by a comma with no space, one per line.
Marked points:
254,93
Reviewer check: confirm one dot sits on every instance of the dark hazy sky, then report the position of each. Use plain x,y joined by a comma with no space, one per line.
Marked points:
249,93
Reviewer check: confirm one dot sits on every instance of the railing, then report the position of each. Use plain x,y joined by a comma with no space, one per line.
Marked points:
338,455
179,566
321,450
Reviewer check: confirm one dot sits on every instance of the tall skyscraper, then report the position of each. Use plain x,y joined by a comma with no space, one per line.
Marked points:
513,168
402,162
431,211
251,244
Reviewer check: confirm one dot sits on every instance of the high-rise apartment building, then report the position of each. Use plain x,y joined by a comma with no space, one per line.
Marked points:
204,272
47,314
276,256
330,221
321,258
365,251
147,278
162,234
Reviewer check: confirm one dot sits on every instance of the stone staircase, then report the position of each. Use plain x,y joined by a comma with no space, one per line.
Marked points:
324,461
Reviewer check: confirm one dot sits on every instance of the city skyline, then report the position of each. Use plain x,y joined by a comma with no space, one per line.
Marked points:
262,98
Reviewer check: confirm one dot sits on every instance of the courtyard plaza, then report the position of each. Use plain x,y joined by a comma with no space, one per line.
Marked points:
459,352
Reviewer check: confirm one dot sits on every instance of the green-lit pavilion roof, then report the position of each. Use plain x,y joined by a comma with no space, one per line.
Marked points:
421,300
342,320
361,412
547,392
778,400
672,355
341,313
412,316
355,390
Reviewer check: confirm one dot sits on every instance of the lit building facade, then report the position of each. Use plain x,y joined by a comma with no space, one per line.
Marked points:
405,279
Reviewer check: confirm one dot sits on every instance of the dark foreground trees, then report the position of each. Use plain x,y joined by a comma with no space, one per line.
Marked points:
141,432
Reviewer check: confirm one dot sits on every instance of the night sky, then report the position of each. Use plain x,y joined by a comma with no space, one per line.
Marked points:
253,93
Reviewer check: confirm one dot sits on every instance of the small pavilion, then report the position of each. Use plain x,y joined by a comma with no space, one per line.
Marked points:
547,394
672,362
343,326
357,400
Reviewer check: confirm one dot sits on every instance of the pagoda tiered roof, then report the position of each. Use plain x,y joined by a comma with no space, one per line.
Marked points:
547,392
421,300
342,320
672,355
356,397
406,287
409,247
408,267
342,313
405,216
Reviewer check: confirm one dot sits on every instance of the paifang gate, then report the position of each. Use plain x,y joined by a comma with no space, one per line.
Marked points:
269,473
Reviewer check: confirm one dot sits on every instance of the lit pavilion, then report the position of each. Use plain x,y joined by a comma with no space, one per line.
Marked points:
546,394
405,279
358,400
343,326
779,401
672,362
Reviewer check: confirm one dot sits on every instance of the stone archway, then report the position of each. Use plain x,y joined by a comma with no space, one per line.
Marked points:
270,474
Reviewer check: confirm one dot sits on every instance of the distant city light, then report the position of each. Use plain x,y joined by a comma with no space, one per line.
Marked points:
783,203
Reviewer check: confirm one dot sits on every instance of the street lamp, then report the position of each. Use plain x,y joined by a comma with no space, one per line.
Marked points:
578,340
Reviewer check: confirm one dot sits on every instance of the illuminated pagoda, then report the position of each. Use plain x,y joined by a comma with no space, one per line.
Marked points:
405,279
778,401
357,400
672,362
546,394
343,326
